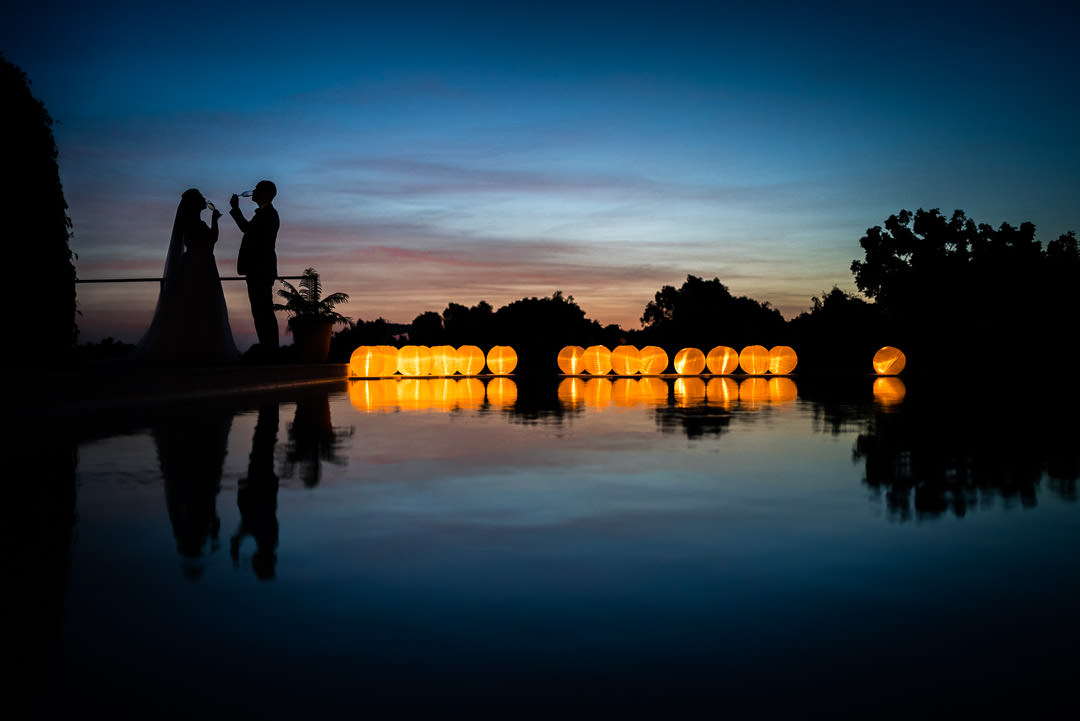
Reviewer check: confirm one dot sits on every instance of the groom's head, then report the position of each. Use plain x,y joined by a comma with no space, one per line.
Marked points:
264,192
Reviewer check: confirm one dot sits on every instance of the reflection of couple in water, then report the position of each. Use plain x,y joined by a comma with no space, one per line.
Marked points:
191,322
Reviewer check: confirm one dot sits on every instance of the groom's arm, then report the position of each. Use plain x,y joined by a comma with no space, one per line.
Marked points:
241,221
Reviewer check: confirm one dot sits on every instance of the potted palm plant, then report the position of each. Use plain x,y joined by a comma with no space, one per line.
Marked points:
311,317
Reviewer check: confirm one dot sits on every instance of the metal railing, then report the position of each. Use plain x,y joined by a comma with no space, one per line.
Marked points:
158,280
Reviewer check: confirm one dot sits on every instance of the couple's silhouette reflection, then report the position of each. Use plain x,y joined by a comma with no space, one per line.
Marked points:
191,456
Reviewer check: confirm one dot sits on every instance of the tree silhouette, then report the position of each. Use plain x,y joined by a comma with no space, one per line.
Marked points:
537,328
704,314
38,228
839,334
472,326
947,285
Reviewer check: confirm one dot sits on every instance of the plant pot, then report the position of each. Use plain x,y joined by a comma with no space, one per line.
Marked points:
311,339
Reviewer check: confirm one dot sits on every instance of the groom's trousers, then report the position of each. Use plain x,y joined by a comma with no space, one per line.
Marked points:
261,296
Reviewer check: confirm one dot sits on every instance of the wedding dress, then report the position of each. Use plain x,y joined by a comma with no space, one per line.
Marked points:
191,323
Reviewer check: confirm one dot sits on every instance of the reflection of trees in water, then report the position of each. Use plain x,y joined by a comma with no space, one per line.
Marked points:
700,407
38,520
942,454
538,402
840,404
312,438
191,453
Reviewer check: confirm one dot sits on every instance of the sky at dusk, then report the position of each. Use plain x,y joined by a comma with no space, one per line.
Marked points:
428,153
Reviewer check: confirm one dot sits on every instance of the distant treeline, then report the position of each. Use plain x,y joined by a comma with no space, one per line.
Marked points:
956,296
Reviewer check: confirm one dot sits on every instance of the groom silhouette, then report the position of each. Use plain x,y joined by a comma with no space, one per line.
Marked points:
258,261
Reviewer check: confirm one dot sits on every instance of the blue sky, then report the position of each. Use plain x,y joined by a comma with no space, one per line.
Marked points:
458,152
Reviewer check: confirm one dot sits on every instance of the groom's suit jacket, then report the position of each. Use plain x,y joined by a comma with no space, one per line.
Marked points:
257,257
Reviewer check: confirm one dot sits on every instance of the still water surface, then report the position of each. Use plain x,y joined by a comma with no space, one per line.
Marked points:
561,548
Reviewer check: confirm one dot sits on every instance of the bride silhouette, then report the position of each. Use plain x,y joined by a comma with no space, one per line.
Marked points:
191,322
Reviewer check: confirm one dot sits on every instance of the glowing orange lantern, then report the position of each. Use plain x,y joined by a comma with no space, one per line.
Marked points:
625,360
414,360
889,361
502,392
889,391
373,395
722,392
501,360
597,360
689,362
782,360
690,392
782,390
754,360
470,360
753,392
373,361
571,360
722,361
444,360
654,360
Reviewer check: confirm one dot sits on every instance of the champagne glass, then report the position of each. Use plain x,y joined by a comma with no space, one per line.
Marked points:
246,193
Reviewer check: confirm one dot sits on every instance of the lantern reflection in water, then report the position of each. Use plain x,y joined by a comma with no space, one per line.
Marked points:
597,392
889,361
468,393
373,361
425,394
653,391
754,360
689,362
444,360
722,360
415,394
571,360
414,360
753,393
571,392
689,392
782,360
722,392
624,392
889,391
654,360
501,360
782,390
625,360
443,393
470,360
502,393
373,395
597,360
